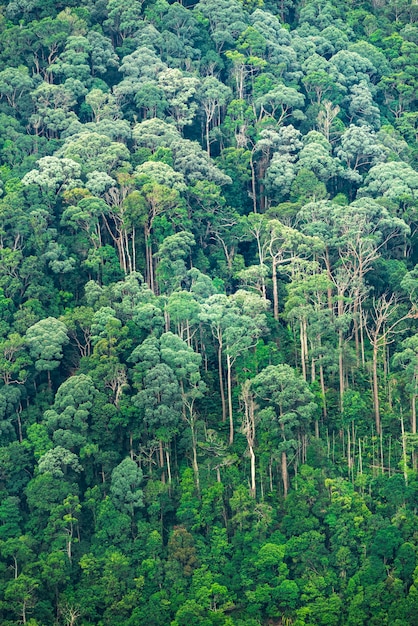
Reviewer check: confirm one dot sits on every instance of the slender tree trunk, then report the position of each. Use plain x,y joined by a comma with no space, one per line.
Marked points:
302,349
356,330
230,412
275,290
221,381
134,249
128,254
161,461
382,458
195,463
404,457
324,401
253,184
363,357
376,389
329,290
341,369
252,462
167,456
207,137
414,428
285,475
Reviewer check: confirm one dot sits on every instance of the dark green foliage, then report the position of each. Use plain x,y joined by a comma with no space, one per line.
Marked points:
208,305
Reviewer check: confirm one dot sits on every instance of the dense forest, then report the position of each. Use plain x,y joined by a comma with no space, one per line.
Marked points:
208,313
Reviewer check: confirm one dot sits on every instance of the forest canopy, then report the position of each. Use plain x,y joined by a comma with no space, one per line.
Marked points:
208,305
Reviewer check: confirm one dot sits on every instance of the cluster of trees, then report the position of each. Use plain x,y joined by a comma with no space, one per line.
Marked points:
208,304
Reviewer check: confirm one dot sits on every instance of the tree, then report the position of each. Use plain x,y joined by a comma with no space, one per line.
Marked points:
381,333
408,360
226,20
122,20
360,149
124,487
54,174
160,402
213,95
67,420
286,407
185,364
45,340
249,428
171,255
21,592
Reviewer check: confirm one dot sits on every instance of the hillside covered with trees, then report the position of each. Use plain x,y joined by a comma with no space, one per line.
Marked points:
208,313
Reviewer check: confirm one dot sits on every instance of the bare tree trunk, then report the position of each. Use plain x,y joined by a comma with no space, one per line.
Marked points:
275,290
167,456
341,369
404,461
414,428
376,389
248,428
195,464
230,412
221,382
161,460
252,462
324,401
285,475
253,184
207,137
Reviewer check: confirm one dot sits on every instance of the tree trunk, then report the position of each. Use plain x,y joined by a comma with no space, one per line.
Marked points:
324,401
195,464
303,354
341,369
161,460
414,429
253,184
167,456
404,462
376,390
230,412
207,137
252,461
275,291
285,476
221,382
